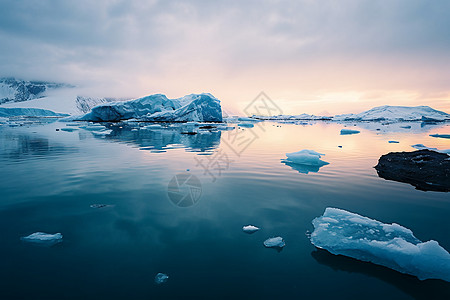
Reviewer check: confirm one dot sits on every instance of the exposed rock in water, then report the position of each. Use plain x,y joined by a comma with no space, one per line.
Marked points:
425,169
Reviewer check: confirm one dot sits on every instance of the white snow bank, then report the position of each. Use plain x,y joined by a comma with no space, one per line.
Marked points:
306,157
275,242
250,229
391,245
41,237
349,131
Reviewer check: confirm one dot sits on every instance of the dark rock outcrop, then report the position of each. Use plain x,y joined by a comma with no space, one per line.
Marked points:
425,169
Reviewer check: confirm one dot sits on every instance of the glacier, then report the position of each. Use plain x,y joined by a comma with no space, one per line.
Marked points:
158,108
29,112
391,245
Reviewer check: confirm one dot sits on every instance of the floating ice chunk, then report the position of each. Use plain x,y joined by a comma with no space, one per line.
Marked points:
94,127
69,129
306,157
246,125
391,245
349,131
275,242
442,136
250,229
101,133
153,126
43,238
393,142
161,278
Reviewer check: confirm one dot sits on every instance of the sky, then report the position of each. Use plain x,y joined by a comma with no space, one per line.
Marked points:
321,57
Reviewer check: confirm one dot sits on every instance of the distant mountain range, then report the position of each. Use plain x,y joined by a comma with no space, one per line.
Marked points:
16,90
381,113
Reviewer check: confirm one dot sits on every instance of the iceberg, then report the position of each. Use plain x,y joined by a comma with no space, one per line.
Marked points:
349,131
393,142
246,125
43,238
306,157
29,112
391,245
250,229
275,242
158,108
161,278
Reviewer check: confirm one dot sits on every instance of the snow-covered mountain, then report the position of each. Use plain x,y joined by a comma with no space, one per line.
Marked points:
380,113
396,114
16,90
194,107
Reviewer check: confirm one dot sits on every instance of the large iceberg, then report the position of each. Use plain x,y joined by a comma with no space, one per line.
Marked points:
391,245
158,108
28,112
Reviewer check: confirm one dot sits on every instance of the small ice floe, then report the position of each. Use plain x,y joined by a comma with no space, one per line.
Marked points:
250,229
73,124
134,129
101,133
93,127
275,242
69,129
153,126
391,245
246,125
161,278
99,205
393,142
339,146
406,127
442,136
349,131
305,161
43,238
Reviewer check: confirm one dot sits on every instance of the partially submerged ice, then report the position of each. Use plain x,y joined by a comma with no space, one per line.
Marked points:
391,245
43,238
250,229
275,242
158,108
161,278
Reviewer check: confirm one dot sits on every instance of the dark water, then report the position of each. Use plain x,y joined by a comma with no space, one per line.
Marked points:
50,178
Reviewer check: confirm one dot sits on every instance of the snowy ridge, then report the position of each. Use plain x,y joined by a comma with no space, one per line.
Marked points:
391,245
29,112
15,90
396,114
380,113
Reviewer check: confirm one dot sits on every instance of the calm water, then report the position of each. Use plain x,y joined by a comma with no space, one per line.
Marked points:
50,178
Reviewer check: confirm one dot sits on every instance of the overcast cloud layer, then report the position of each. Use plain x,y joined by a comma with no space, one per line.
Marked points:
310,56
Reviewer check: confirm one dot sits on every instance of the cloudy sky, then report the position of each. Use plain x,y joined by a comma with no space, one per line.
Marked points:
308,56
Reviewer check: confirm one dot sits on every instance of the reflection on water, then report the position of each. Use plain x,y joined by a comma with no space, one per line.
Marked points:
301,168
50,179
165,138
409,284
